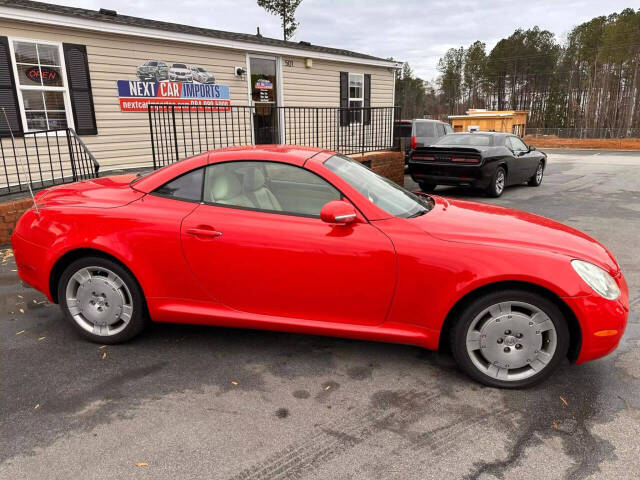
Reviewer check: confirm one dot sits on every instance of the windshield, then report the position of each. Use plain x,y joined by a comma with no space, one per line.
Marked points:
385,194
179,65
472,139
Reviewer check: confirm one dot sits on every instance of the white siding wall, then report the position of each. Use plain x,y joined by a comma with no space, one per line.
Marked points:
123,138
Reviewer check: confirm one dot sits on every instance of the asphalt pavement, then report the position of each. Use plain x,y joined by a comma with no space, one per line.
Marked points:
188,402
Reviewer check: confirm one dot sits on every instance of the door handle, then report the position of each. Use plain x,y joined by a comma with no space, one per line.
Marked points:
203,232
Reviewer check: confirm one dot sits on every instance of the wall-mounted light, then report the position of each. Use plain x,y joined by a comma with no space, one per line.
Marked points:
308,62
240,71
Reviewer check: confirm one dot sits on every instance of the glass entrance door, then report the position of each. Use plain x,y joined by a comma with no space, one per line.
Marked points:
264,91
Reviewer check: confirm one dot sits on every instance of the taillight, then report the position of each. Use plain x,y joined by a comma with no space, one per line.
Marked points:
424,157
465,159
414,143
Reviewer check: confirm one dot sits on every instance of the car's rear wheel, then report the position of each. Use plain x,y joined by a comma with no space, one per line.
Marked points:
510,339
536,180
498,182
427,187
102,300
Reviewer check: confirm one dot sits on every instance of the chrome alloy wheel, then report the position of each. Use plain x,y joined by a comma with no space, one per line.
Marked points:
511,341
99,301
500,181
539,173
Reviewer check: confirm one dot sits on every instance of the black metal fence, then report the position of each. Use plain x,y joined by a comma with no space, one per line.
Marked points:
44,158
180,131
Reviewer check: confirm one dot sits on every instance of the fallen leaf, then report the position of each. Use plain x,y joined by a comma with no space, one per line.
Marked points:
37,406
234,383
34,301
20,332
564,401
555,425
20,296
327,387
104,355
41,338
101,347
142,464
21,310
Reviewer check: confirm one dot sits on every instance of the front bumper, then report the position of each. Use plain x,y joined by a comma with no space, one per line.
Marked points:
31,262
602,321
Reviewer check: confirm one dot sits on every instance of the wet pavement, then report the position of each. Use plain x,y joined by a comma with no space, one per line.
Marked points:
194,402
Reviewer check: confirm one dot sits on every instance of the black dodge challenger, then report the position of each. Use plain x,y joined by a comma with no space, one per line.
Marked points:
486,160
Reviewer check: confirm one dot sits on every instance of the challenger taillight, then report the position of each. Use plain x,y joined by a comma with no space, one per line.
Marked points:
414,143
429,158
465,159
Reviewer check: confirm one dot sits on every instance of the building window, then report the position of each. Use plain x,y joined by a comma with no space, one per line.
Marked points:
356,97
41,84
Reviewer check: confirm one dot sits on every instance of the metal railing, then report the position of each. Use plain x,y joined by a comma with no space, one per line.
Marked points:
585,132
44,158
180,131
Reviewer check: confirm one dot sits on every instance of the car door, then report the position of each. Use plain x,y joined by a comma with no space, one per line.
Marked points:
256,250
526,161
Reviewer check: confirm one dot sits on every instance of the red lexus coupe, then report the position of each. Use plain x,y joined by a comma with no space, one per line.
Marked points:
310,241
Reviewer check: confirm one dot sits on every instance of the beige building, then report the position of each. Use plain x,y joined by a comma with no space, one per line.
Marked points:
96,72
510,121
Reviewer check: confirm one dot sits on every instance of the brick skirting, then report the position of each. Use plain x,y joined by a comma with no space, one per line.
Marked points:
387,163
10,212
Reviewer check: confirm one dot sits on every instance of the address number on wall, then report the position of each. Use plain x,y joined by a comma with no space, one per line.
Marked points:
288,63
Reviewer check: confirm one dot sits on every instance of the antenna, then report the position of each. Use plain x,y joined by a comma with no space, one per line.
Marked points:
13,139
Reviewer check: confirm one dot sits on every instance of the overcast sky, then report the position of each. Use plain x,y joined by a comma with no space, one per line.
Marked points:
415,31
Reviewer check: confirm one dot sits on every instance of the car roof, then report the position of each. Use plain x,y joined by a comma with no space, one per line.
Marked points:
293,154
427,120
480,132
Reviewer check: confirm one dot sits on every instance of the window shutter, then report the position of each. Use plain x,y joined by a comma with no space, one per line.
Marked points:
367,99
344,98
8,94
84,115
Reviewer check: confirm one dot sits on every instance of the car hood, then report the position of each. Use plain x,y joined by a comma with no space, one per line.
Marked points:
479,223
105,192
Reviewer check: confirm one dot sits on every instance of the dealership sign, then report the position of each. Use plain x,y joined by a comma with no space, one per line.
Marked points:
135,96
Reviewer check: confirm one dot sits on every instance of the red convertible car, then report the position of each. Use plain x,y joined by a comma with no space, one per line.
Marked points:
310,241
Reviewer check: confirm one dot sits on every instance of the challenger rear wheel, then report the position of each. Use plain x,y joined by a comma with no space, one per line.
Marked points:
498,182
102,300
427,187
510,339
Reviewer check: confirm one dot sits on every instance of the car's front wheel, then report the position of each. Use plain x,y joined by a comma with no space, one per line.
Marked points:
102,300
536,180
510,339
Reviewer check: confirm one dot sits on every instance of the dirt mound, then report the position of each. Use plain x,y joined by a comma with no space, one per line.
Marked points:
552,141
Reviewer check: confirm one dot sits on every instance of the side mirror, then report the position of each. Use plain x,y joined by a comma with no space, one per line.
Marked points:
532,148
338,211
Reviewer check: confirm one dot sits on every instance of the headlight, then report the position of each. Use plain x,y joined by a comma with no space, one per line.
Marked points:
597,278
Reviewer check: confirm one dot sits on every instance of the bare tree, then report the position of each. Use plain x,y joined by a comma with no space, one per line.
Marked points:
286,10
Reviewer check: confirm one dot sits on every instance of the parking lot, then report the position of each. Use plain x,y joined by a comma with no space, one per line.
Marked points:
194,402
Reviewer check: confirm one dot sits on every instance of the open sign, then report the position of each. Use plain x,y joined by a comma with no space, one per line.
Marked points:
45,74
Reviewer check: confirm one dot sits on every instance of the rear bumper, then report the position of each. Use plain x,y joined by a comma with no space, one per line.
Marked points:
478,176
602,321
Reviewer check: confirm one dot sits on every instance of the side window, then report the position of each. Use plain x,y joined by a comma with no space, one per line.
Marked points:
185,187
517,145
267,186
448,129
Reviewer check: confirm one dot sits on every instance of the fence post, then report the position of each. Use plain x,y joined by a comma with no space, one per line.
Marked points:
317,129
175,131
153,148
71,158
362,129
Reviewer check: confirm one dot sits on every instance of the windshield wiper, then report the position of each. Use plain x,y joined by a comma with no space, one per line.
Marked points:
417,214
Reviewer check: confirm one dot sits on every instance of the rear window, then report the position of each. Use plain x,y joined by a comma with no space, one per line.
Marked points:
425,129
472,139
152,63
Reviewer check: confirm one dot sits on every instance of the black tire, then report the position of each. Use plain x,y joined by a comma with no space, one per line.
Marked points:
494,189
132,293
427,187
458,338
536,180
